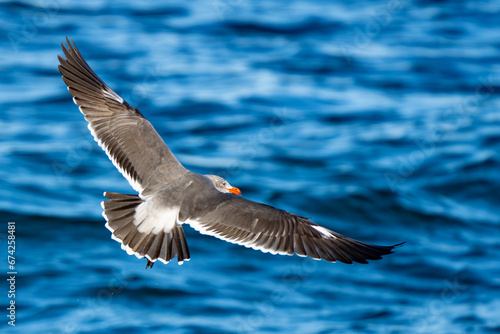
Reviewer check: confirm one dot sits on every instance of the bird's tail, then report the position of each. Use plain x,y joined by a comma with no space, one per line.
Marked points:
120,213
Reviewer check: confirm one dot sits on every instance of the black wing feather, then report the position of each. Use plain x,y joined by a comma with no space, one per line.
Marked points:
268,229
130,141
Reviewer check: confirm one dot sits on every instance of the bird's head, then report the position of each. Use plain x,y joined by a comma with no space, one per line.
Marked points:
223,186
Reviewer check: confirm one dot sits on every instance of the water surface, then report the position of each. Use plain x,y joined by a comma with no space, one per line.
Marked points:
380,120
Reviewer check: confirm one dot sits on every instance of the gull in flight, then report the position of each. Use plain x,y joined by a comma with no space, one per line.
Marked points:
150,224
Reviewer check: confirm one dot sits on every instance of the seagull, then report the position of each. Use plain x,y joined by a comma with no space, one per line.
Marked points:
150,224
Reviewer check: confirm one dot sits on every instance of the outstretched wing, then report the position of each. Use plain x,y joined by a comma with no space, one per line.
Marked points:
129,140
268,229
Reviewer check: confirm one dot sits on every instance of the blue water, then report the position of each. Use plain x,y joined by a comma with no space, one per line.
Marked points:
378,119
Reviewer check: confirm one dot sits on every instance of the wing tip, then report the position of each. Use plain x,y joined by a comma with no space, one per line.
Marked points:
401,244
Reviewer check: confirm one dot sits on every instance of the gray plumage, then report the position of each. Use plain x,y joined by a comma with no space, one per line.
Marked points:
150,224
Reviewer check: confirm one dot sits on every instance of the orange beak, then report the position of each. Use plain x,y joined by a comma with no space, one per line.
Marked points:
234,190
